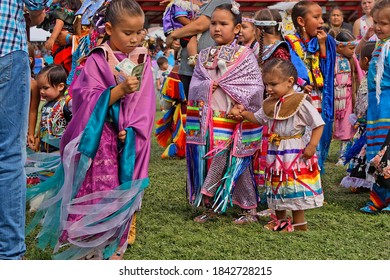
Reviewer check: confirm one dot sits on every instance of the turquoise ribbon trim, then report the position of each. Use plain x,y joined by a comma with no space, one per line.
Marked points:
127,160
90,139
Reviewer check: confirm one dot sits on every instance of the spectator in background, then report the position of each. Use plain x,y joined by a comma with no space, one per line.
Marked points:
363,23
336,20
15,77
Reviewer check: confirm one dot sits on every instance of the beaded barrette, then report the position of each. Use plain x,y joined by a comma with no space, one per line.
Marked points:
235,8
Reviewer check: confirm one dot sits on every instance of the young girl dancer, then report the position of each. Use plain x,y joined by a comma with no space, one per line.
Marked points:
219,150
248,33
272,44
292,173
100,182
378,113
313,54
355,154
346,81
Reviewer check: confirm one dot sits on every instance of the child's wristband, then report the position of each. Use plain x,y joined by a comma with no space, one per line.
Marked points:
67,38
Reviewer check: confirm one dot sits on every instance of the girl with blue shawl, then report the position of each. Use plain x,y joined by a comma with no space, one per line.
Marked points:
378,113
313,53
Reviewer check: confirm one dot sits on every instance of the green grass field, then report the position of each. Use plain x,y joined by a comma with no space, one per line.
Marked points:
165,230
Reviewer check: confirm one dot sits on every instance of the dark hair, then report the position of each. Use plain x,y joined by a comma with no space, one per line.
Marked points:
300,9
237,18
285,67
380,5
161,60
336,8
119,8
367,50
342,35
271,15
74,5
55,74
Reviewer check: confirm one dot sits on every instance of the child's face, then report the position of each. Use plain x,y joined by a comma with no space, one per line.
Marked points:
312,22
247,33
222,27
276,84
125,35
382,23
164,66
336,18
367,5
47,91
346,51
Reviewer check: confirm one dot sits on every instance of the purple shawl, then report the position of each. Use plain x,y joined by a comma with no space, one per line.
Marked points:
137,110
242,82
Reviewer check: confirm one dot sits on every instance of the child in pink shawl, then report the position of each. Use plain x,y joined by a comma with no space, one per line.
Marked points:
101,179
219,150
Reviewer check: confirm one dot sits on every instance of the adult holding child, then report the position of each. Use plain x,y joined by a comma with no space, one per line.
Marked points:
198,26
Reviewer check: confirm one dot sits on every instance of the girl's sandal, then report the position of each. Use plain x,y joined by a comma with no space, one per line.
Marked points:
289,227
205,216
245,219
275,224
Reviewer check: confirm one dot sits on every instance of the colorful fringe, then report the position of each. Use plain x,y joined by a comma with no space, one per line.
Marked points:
224,194
170,132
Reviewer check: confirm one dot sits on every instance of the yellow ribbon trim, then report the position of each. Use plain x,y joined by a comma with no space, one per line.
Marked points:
275,138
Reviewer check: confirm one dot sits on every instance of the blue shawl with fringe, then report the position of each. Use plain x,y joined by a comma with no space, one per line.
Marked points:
327,69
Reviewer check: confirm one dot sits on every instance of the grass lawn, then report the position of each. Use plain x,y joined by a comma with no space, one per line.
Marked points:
165,230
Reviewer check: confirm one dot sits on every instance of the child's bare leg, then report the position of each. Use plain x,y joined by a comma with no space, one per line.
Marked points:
281,214
299,222
192,49
192,46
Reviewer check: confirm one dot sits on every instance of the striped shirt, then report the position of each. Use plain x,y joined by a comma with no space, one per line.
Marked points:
13,36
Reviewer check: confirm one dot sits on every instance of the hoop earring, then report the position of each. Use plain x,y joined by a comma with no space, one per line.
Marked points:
303,29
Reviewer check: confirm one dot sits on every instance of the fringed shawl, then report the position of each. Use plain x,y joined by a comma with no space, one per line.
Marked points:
242,82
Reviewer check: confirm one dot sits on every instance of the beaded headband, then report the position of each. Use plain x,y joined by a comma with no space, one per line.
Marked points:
261,22
352,43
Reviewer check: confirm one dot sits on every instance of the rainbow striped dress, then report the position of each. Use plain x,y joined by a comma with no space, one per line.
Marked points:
291,183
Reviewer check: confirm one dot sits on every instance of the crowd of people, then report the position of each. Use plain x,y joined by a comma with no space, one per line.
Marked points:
250,104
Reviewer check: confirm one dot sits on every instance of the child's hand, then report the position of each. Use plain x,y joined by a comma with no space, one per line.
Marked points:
369,33
235,112
321,35
122,135
49,43
31,142
215,85
309,151
130,84
307,89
